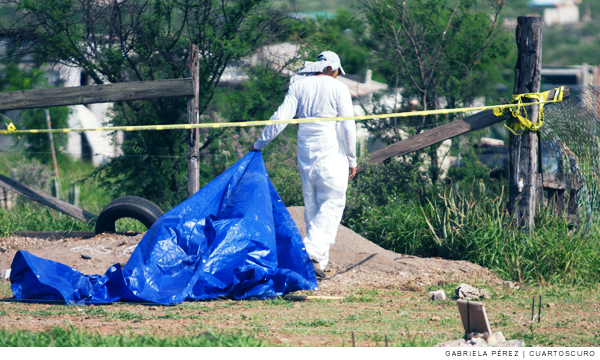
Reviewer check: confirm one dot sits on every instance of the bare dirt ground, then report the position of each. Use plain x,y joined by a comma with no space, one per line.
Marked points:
355,262
385,295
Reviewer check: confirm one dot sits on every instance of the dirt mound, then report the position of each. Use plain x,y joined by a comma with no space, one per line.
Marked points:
355,262
102,250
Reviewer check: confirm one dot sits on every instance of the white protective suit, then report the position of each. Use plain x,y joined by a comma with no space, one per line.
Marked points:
326,150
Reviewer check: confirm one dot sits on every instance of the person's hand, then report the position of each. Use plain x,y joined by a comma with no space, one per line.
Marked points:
253,149
352,173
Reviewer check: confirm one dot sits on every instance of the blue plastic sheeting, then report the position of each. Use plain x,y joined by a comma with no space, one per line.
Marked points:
233,238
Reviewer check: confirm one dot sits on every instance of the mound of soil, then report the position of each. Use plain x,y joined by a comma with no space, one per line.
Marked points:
355,262
90,256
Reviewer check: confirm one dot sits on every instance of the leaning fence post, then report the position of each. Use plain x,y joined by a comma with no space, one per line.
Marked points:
523,148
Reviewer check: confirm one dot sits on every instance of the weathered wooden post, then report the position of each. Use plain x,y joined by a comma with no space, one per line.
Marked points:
193,118
524,148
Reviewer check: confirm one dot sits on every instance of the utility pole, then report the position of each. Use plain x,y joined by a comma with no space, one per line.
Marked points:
523,148
193,118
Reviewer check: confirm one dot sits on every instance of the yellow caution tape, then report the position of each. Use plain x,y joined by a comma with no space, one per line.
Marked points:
522,123
498,110
11,128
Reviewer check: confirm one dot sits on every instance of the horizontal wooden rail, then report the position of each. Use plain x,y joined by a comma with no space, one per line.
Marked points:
559,181
436,135
46,199
127,91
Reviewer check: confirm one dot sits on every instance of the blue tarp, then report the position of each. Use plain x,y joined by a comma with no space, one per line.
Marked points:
233,238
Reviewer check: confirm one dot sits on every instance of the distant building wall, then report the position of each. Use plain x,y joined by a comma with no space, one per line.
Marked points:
567,13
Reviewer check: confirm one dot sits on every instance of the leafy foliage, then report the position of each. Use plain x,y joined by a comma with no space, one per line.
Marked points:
15,78
30,172
471,225
134,40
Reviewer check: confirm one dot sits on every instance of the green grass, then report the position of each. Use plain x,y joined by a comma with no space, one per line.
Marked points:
92,197
406,317
31,216
34,217
71,337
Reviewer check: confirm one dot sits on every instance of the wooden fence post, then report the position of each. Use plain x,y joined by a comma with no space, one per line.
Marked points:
193,118
524,148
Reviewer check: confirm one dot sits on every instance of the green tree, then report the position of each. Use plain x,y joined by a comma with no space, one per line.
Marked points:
14,77
345,34
431,50
133,40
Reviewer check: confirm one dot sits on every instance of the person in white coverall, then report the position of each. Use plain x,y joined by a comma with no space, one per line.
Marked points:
326,150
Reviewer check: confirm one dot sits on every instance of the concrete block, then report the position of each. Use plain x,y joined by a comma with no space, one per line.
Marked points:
5,274
468,292
437,295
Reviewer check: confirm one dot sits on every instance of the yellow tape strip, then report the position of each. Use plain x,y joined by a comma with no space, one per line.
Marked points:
522,123
498,110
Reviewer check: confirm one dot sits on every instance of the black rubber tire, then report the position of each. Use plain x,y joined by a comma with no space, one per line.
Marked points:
134,207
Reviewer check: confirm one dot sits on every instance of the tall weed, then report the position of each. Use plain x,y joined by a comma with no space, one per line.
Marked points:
474,226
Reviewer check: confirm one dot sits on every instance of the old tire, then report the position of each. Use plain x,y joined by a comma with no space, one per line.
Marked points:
134,207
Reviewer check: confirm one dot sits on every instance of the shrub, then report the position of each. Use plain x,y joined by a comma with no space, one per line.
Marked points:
31,173
473,226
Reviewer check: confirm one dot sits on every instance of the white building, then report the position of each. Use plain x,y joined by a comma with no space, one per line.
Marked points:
97,147
559,12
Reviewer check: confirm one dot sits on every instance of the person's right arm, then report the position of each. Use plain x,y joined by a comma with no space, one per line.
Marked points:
286,111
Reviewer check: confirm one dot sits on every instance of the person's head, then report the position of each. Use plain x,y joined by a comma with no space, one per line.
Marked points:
332,57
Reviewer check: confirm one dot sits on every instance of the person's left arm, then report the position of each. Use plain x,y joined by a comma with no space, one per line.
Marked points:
348,129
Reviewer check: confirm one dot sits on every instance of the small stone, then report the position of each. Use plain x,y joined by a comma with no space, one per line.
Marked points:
437,295
517,287
551,305
484,294
477,341
435,318
477,335
492,340
499,336
511,343
453,343
86,257
152,308
509,284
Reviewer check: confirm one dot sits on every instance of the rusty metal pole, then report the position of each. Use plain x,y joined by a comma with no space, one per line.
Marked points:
49,124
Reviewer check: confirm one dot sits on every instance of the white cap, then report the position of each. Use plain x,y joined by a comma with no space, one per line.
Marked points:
332,57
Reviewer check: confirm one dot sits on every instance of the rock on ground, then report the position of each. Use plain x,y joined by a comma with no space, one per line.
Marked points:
468,292
496,340
437,295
